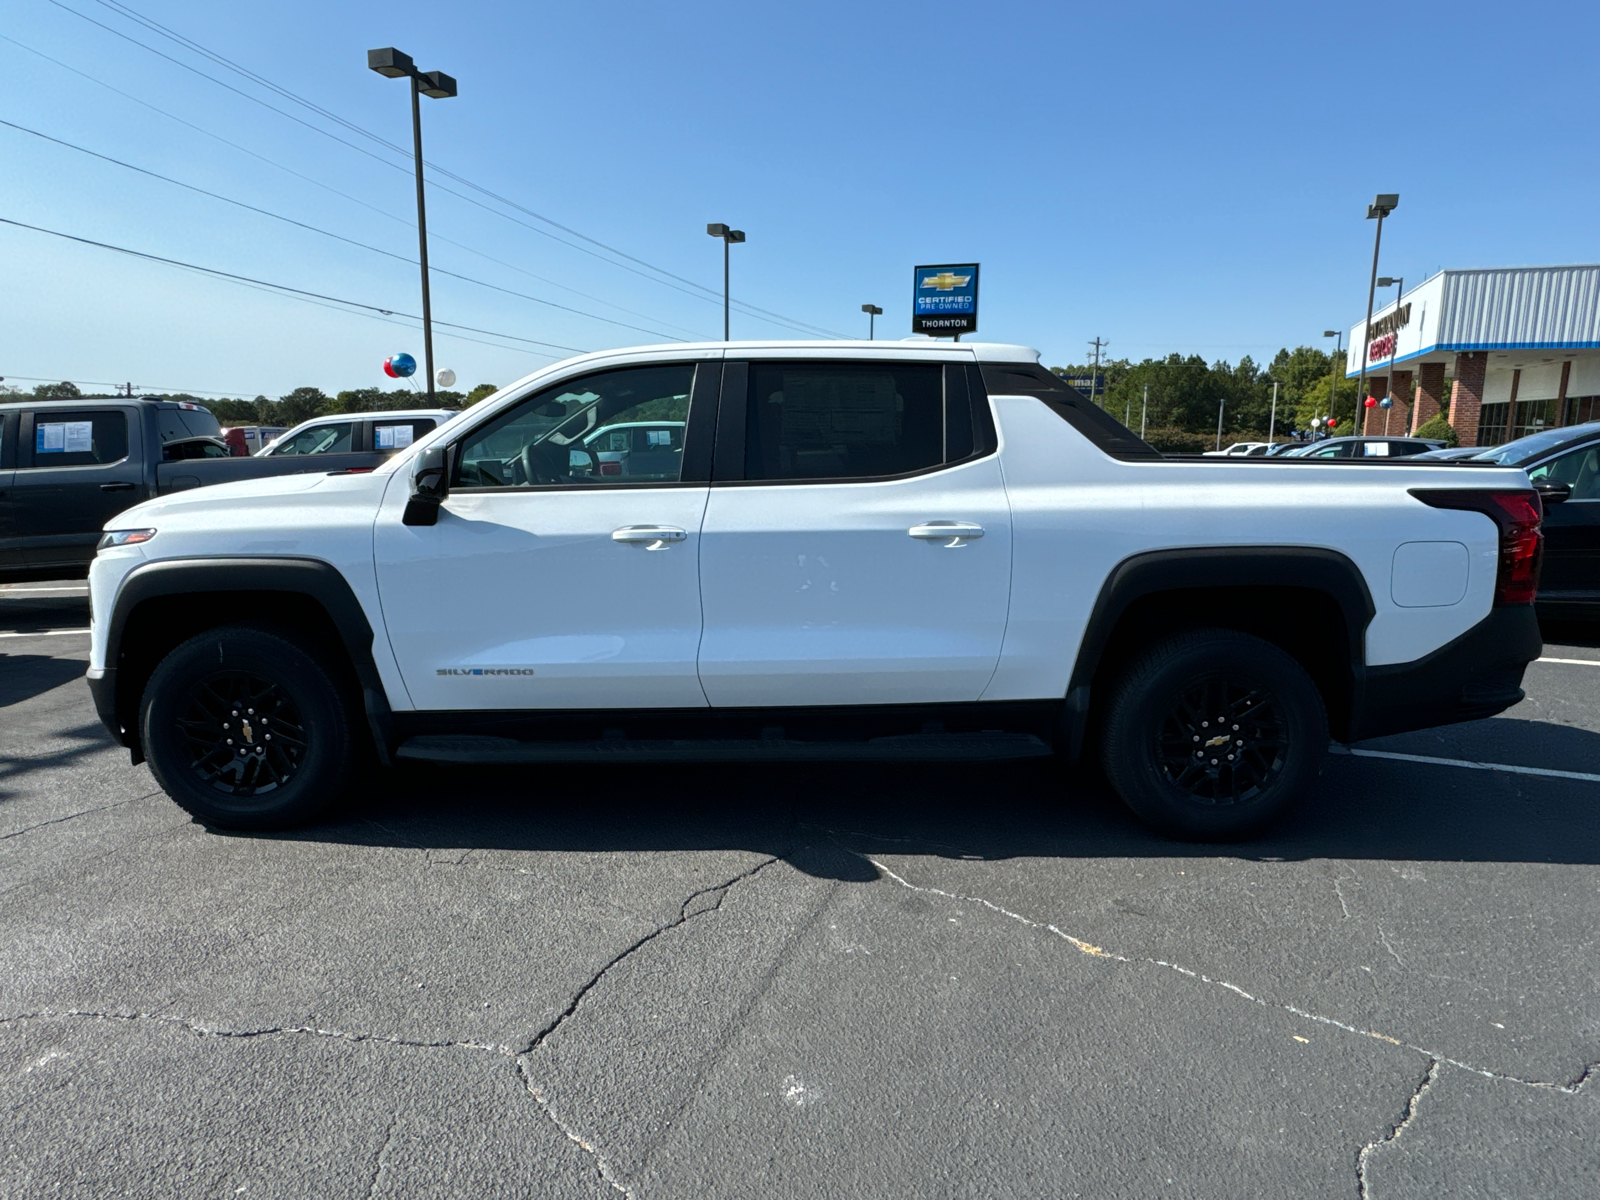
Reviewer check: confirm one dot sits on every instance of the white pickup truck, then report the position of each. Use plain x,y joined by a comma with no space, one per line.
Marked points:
808,551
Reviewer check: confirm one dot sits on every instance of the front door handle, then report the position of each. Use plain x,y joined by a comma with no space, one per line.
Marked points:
953,534
653,537
116,487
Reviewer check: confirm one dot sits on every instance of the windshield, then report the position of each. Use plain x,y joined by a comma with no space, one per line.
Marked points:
1535,444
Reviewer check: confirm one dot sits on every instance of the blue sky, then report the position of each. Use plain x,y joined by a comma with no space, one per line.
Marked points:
1171,177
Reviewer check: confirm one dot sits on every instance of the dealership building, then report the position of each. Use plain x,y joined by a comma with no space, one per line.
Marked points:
1520,345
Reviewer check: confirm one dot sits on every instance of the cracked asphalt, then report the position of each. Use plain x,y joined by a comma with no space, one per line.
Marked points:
798,981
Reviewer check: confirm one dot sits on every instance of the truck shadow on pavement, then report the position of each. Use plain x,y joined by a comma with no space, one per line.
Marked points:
24,676
1363,808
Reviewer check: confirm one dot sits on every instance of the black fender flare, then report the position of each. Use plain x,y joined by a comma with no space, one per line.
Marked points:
314,578
1308,568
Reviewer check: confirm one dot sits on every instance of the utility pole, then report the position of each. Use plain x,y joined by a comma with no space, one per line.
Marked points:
1221,403
1144,410
1272,425
1094,371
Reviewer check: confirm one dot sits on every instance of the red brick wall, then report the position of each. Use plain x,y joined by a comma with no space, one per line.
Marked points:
1400,390
1430,392
1466,398
1378,388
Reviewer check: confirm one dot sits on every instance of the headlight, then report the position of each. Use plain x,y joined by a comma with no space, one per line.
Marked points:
125,537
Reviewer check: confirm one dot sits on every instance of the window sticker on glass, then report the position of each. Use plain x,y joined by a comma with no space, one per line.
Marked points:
393,437
63,437
659,437
1376,449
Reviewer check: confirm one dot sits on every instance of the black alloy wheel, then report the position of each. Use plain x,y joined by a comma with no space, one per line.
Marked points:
1222,740
246,728
1213,734
245,734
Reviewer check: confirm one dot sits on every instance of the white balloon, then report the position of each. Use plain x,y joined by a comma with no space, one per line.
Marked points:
445,377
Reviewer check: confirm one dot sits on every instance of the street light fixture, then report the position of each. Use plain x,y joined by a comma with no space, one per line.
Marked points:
1382,205
1399,284
728,236
873,312
394,64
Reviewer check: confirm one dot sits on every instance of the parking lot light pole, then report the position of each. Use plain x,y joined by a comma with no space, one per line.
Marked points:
1338,349
728,236
1399,285
873,312
1382,205
436,84
1221,403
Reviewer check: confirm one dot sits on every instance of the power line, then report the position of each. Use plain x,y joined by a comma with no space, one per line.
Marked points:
328,233
702,292
277,287
146,387
344,195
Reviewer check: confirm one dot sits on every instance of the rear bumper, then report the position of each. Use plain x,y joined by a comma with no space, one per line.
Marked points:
1477,675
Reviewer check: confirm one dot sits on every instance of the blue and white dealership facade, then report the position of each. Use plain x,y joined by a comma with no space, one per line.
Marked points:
1522,345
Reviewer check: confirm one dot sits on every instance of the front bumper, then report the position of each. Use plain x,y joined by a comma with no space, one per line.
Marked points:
1477,675
103,687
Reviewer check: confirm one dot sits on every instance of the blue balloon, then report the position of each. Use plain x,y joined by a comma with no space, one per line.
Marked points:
398,366
1386,403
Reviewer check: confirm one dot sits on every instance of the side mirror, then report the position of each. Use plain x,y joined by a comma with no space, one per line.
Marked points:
1553,493
430,484
580,462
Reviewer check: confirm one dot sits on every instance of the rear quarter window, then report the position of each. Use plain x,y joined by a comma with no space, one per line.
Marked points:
1106,432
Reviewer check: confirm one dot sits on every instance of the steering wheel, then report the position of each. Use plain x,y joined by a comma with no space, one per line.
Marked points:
535,467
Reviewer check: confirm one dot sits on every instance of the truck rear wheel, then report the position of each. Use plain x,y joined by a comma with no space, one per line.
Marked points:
1212,734
245,730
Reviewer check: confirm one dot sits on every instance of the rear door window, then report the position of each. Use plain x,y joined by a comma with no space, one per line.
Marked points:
80,438
389,436
843,420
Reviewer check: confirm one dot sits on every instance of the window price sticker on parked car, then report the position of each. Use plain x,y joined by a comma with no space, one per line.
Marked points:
393,437
944,300
63,437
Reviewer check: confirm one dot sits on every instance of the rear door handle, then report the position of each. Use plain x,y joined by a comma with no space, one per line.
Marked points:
952,533
116,487
653,537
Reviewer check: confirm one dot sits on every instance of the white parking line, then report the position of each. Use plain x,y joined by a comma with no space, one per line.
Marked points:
1471,766
45,633
1577,662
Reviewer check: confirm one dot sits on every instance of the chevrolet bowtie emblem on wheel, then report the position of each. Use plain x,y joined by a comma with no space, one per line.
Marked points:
1217,741
946,281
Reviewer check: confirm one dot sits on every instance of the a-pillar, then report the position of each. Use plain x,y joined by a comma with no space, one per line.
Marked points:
1466,398
1377,389
1430,393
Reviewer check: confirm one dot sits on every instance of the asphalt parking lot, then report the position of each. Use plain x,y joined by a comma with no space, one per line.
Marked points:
819,981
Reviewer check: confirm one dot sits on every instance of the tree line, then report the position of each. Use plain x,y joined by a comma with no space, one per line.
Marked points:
1184,395
1185,392
302,404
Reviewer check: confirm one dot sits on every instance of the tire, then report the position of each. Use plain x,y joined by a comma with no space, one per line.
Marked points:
228,764
1160,718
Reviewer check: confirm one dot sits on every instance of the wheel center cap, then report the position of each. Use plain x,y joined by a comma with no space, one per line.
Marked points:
1219,740
250,736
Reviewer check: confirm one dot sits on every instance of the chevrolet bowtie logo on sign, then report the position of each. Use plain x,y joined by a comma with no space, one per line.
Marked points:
944,300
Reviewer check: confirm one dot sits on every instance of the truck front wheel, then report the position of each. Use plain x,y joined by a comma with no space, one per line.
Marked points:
1212,734
245,730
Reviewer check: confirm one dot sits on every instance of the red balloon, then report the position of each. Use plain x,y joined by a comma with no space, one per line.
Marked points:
1372,402
388,369
1332,422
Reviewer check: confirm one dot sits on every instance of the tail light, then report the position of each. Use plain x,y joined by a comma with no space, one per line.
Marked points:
1518,515
608,467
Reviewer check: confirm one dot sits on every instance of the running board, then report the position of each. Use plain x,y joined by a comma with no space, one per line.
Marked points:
917,747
